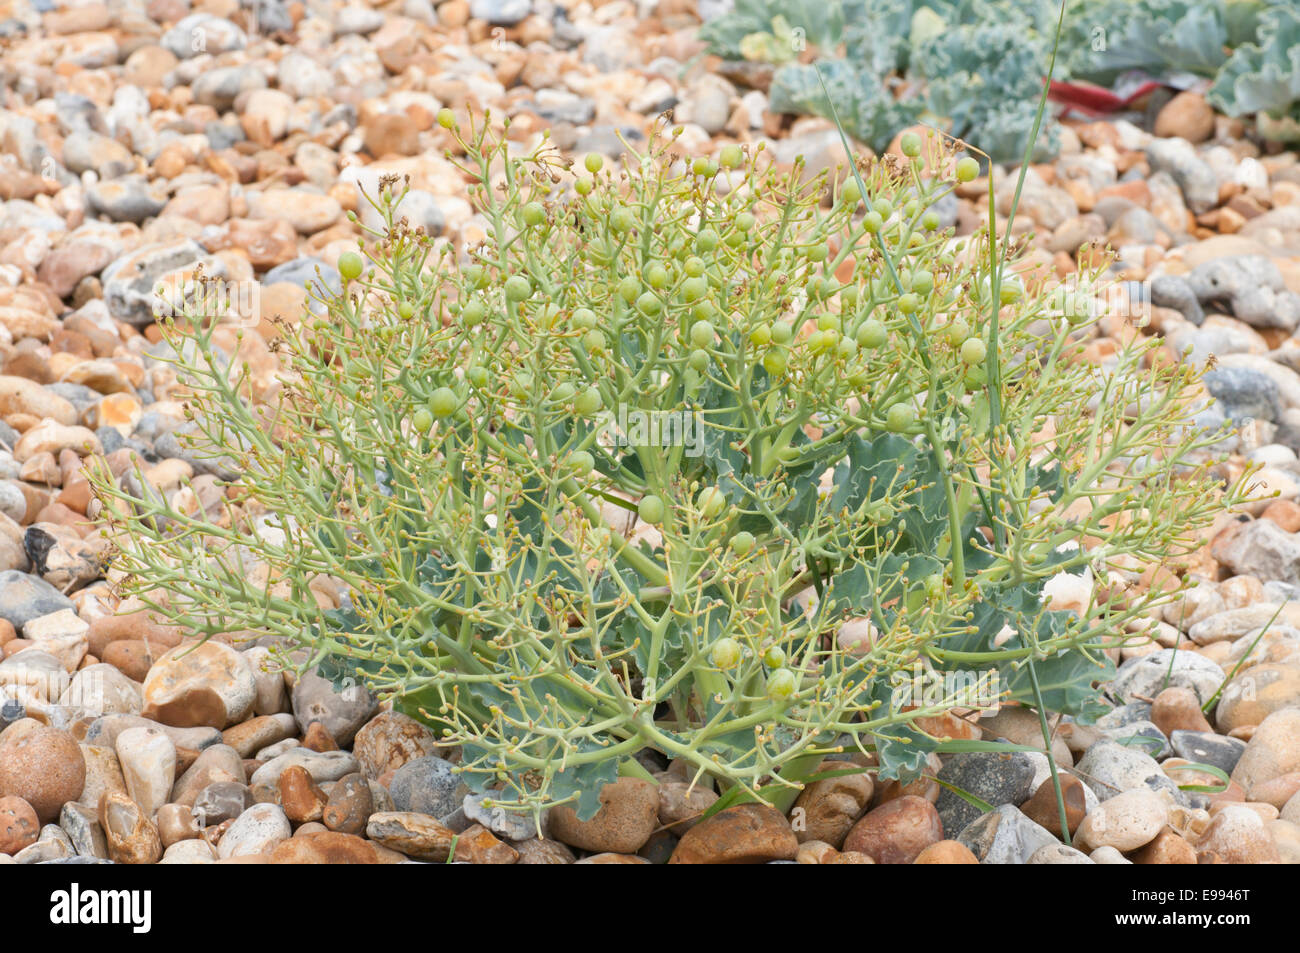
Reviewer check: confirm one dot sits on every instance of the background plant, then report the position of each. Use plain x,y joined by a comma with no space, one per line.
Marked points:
1263,76
974,67
901,446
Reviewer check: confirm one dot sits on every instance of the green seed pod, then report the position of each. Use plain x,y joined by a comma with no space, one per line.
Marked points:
651,509
443,403
350,265
706,240
900,417
518,288
781,684
649,304
973,351
702,334
711,502
871,334
956,332
742,544
693,289
629,289
588,402
726,653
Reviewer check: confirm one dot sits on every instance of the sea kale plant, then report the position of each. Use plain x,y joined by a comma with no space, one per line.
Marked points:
974,68
970,67
695,456
1263,77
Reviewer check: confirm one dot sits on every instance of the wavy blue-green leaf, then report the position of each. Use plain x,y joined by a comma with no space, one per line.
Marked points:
1263,77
